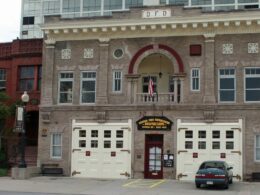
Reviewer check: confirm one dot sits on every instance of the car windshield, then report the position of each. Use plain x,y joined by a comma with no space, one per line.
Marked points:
208,165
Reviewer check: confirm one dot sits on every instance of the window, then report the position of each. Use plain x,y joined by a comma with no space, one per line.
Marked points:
119,144
94,133
91,5
215,145
82,143
51,7
133,3
195,50
56,146
2,79
119,133
216,134
195,79
82,133
229,134
107,134
65,87
71,6
29,78
202,145
229,145
202,134
188,145
252,84
227,86
88,87
117,81
257,147
188,134
94,143
107,144
112,4
28,20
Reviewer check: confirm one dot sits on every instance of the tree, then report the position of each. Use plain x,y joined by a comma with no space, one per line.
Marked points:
5,112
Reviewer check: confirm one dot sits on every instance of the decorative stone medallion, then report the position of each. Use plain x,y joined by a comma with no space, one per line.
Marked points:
118,53
227,48
65,54
252,47
88,53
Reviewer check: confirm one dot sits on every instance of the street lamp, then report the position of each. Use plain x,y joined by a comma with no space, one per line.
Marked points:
25,100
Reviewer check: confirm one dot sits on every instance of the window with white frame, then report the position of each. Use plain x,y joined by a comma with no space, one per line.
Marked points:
117,81
195,79
88,87
56,145
257,148
65,87
2,79
227,85
252,84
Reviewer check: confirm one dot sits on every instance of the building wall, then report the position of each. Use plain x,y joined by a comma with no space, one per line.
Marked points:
202,106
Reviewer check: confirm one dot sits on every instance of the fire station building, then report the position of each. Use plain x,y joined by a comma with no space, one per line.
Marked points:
98,119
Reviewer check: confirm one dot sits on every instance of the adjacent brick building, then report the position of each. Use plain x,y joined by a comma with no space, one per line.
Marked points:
20,70
98,117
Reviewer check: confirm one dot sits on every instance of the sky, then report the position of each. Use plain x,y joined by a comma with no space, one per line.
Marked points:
10,14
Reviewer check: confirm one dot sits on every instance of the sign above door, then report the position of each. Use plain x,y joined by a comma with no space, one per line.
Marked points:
154,123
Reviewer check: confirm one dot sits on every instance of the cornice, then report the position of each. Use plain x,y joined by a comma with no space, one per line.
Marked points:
207,25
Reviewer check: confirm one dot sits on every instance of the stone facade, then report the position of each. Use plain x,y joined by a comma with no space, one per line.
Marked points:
139,40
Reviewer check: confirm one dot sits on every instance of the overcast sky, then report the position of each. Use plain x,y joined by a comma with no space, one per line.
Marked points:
10,14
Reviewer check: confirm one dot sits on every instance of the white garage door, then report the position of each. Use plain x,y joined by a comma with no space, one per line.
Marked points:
101,150
198,142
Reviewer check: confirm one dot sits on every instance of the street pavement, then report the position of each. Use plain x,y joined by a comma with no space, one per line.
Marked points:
76,186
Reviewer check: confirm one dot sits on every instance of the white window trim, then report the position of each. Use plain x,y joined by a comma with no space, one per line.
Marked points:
87,79
66,79
248,76
235,86
51,150
191,80
114,79
256,160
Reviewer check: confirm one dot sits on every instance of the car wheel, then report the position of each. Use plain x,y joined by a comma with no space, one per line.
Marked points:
197,185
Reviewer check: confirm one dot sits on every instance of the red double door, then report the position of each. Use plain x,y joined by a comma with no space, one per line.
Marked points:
153,157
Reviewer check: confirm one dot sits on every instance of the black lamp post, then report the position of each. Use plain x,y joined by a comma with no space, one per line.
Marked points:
25,100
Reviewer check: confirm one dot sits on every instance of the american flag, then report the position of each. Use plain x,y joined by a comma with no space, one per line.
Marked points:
150,87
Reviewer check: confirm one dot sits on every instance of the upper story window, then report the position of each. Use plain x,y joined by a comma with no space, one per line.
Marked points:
88,87
146,83
2,79
29,78
28,20
252,84
133,3
71,6
51,7
257,148
227,85
195,79
113,4
117,81
91,5
66,87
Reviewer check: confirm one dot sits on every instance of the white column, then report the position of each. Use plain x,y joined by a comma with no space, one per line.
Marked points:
175,90
181,90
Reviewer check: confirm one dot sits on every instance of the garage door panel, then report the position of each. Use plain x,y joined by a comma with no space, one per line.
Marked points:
201,142
104,144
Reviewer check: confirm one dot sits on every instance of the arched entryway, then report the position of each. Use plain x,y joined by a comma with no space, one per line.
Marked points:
161,65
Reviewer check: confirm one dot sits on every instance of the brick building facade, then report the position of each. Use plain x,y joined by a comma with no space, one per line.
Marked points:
20,70
98,117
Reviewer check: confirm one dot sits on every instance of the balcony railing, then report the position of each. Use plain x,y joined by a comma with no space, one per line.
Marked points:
160,98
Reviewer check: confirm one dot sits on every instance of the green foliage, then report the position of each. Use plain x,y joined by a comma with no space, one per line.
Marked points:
4,108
